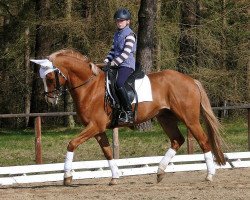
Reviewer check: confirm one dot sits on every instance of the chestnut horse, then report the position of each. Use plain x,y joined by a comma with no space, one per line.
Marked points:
175,97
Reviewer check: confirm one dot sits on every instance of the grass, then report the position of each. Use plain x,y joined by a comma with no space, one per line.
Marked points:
17,146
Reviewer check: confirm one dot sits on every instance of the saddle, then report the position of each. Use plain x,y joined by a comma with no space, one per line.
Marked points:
111,95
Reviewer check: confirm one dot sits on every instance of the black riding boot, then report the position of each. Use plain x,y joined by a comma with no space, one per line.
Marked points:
127,116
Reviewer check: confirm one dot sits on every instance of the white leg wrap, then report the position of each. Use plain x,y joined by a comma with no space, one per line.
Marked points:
68,162
166,159
210,163
114,168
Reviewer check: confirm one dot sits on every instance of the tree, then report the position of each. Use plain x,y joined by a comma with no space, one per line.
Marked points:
145,38
223,34
145,41
248,80
42,49
158,45
27,73
188,42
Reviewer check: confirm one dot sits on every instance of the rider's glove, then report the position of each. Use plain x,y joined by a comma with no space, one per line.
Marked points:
106,67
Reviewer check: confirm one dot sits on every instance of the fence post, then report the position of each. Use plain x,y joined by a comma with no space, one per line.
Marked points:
190,146
38,140
115,143
248,116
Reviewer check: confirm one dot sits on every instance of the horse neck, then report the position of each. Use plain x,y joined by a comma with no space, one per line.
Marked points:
88,95
77,71
83,84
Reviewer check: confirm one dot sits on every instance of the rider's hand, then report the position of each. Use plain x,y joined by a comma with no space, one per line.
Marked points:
106,67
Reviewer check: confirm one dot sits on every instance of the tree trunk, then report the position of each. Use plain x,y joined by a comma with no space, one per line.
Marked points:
43,44
222,102
223,35
248,75
27,74
42,49
248,80
188,42
145,42
159,42
86,14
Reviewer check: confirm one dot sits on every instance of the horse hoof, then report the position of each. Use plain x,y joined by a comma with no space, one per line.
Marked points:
67,181
209,177
160,177
113,181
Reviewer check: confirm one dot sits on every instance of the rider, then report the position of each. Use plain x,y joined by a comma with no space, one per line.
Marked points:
122,56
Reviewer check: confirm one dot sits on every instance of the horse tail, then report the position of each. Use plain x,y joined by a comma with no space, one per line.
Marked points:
213,126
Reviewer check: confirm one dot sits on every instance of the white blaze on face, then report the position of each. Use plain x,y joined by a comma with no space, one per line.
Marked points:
46,67
45,85
48,97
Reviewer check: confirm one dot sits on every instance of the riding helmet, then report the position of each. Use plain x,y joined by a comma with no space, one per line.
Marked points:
122,13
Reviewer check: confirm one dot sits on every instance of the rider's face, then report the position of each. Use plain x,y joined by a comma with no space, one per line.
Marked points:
121,23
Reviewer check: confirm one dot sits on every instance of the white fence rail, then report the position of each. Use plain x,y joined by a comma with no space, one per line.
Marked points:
100,169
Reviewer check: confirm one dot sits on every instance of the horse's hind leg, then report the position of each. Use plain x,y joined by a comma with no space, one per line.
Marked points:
168,122
192,121
104,144
202,139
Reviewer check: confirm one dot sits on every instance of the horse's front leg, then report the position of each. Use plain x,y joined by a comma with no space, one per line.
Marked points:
104,144
90,131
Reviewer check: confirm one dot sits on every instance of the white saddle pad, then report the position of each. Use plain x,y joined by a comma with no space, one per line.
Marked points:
142,87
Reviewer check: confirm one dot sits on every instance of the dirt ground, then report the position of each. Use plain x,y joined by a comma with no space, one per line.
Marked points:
227,185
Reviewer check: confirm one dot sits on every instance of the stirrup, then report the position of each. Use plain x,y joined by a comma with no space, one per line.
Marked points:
125,118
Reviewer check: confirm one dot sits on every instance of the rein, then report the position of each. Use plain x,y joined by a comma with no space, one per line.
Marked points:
60,89
90,78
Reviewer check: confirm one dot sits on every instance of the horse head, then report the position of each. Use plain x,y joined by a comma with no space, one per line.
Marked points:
55,72
53,80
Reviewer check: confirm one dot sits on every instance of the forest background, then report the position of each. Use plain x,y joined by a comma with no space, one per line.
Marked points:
207,39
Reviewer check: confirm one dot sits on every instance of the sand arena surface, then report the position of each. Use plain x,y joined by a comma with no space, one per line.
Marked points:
227,185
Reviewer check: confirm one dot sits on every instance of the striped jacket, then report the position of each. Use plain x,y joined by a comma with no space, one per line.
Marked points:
123,49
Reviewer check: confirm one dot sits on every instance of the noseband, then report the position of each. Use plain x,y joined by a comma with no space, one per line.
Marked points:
59,88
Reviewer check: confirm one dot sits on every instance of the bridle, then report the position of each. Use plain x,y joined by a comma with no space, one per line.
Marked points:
59,89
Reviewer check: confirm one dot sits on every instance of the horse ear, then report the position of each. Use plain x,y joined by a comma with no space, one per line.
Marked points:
50,58
94,68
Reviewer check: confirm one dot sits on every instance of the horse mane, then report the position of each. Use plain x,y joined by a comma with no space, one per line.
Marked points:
68,52
74,54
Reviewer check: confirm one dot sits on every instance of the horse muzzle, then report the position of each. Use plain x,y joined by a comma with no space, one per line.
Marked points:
51,99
